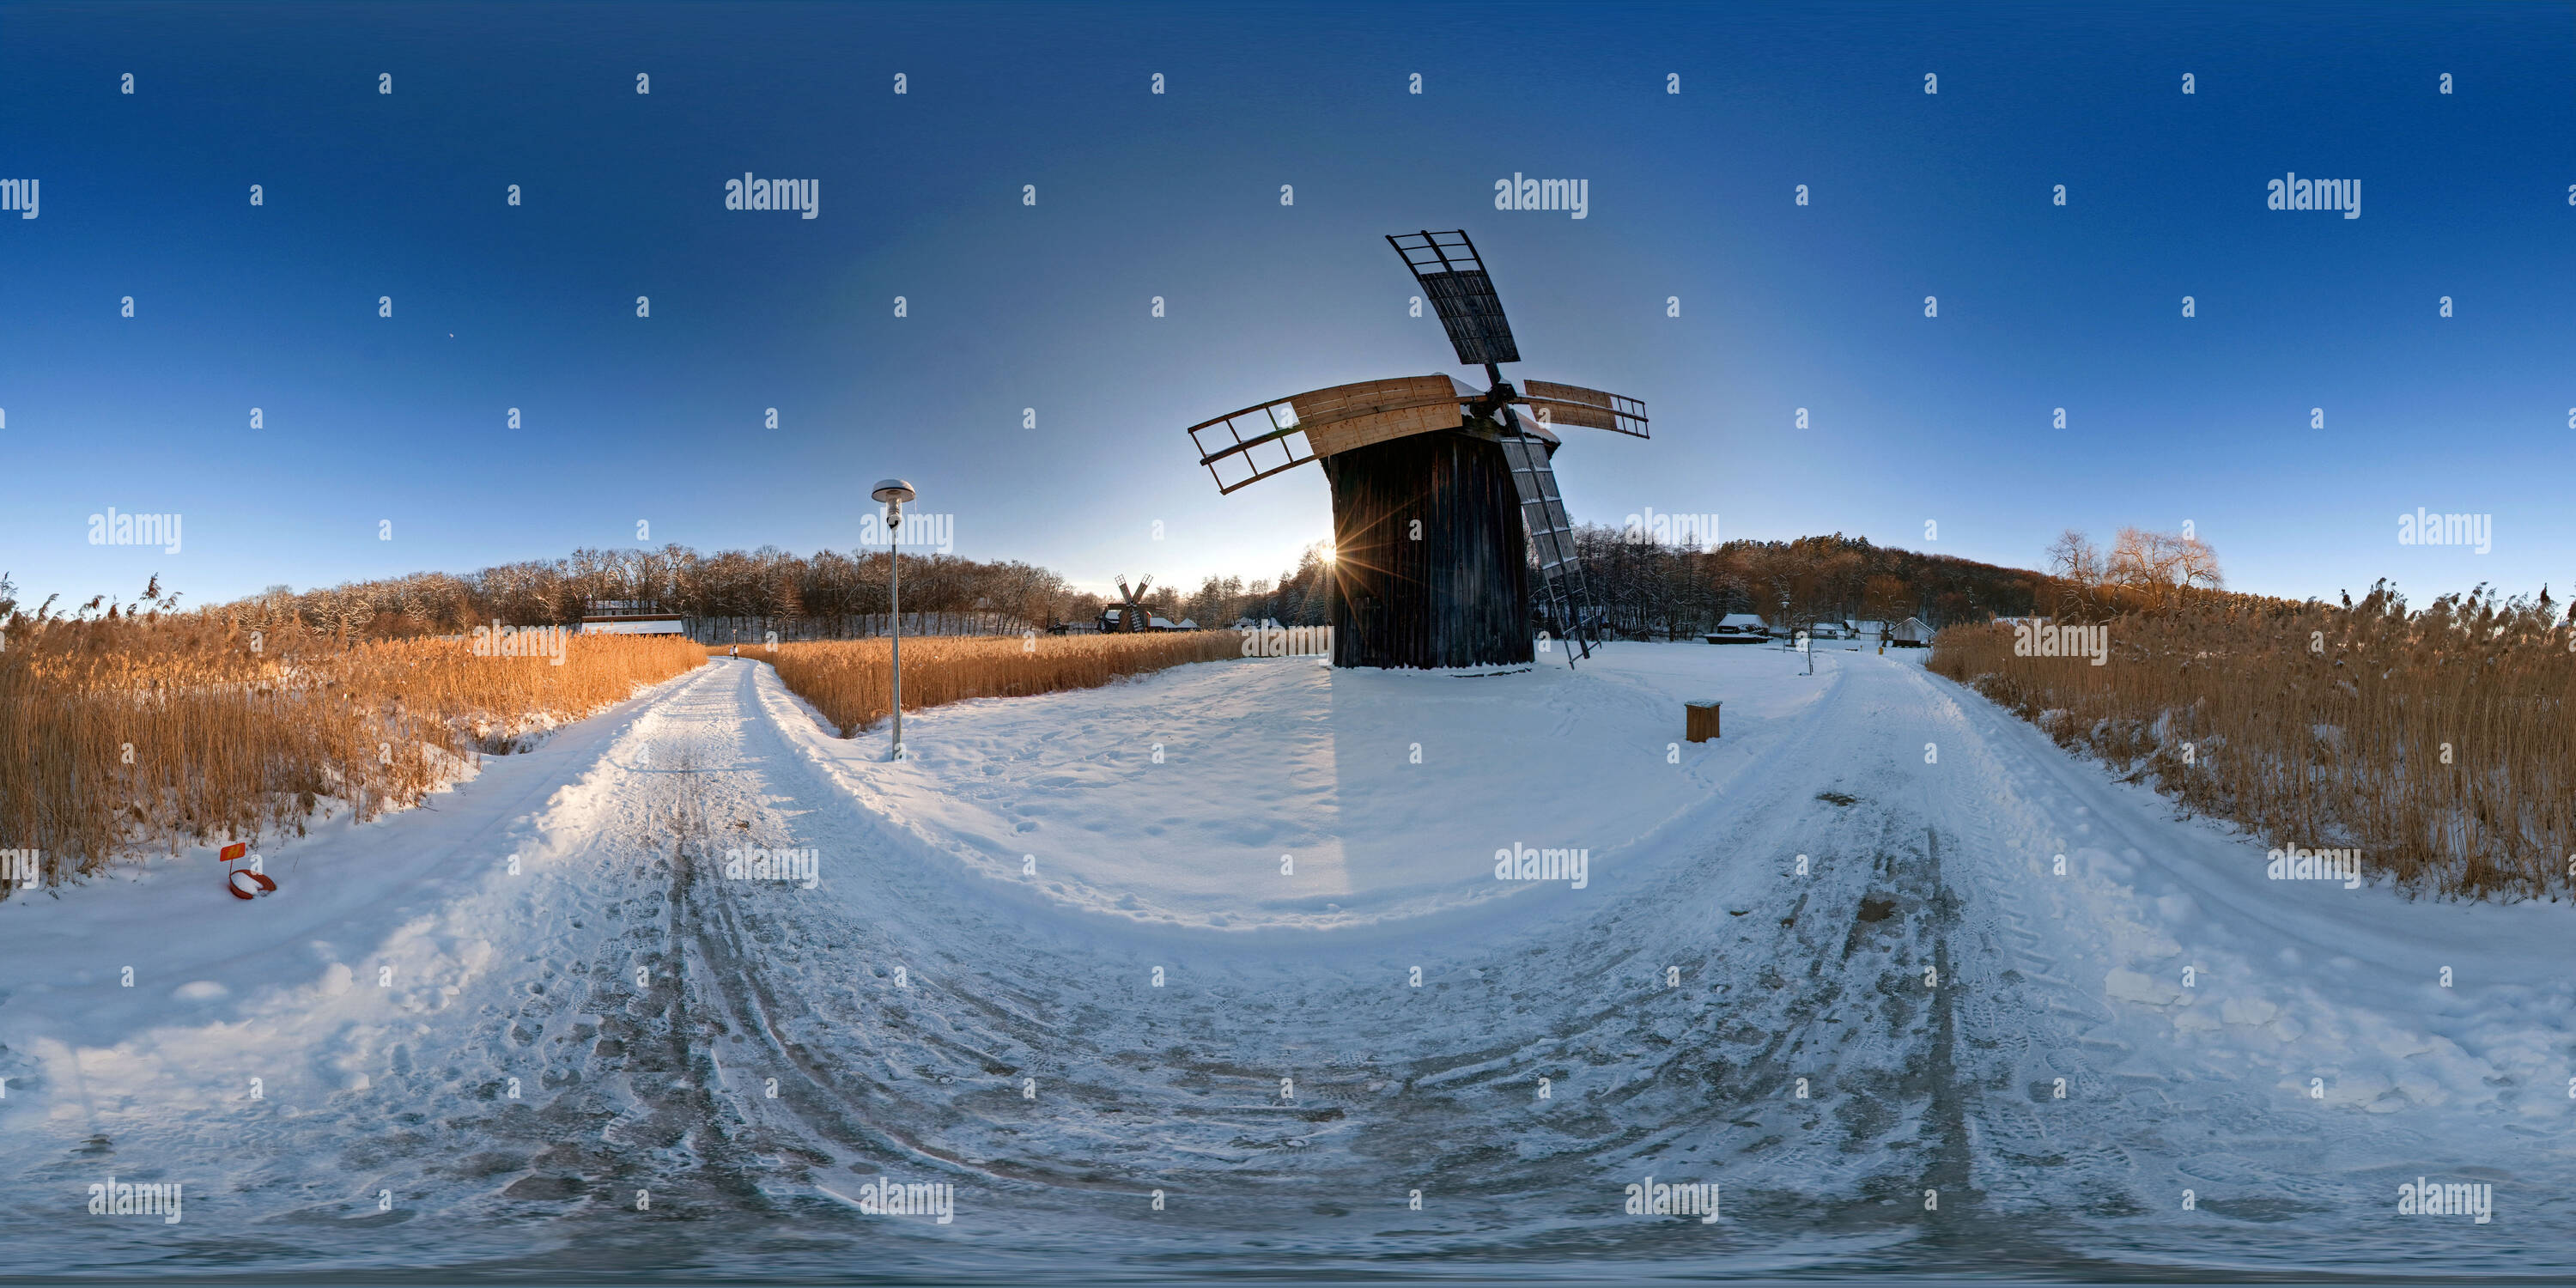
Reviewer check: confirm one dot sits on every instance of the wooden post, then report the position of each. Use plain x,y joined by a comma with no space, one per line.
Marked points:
1700,721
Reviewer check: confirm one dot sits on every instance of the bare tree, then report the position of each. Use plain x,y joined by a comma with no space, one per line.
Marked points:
2162,566
2074,558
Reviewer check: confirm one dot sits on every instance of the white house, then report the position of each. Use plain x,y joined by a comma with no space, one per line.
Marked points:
1112,622
1739,628
629,617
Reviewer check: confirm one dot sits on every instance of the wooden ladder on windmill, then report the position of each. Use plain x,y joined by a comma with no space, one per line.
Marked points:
1568,596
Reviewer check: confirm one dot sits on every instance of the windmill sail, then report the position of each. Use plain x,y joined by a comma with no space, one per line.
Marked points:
1455,282
1558,404
1241,448
1551,534
1245,447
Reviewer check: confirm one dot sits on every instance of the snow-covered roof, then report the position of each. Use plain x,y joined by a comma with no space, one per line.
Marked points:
1747,621
1157,623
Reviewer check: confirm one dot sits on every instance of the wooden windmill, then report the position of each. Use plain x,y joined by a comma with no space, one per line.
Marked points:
1441,491
1137,616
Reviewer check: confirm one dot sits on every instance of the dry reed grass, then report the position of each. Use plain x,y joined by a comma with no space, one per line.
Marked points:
135,733
2440,742
847,680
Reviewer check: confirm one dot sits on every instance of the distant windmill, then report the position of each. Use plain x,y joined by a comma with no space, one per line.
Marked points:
1137,616
1430,558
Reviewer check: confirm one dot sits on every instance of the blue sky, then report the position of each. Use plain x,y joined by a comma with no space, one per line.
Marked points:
1047,307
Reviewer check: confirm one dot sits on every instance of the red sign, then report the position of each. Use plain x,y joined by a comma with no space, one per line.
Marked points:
236,850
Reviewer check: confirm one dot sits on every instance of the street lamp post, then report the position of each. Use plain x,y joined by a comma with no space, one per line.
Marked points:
894,492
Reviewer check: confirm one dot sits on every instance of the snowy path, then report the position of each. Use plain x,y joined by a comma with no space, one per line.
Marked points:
931,1013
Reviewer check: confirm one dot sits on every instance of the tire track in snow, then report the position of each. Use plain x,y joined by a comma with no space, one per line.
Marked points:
1407,1111
1673,1019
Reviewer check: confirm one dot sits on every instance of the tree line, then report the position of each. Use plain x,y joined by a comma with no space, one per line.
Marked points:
1644,588
763,583
1641,587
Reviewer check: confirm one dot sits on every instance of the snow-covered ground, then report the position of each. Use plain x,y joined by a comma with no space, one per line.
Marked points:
1171,803
1054,962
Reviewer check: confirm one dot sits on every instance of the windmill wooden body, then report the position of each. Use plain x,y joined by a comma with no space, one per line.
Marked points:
1442,492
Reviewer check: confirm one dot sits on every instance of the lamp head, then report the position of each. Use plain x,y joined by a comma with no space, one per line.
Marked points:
893,491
